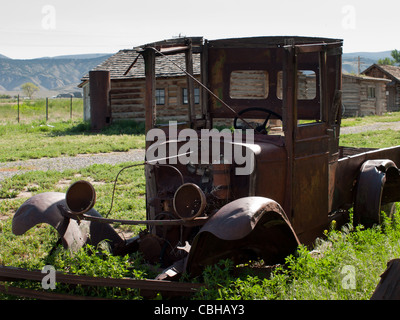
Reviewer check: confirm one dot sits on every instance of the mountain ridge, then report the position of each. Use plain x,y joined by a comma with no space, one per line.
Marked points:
350,60
47,73
61,73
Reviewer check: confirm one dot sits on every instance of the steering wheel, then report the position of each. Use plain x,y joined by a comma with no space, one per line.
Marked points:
260,128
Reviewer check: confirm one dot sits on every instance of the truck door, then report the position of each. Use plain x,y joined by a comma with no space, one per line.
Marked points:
311,94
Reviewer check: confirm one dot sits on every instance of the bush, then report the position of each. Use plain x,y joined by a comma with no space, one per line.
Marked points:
98,262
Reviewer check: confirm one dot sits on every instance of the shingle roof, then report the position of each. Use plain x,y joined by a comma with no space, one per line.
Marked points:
363,77
392,72
120,65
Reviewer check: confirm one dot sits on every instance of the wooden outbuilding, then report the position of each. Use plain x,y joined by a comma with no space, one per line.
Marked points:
127,86
391,73
363,96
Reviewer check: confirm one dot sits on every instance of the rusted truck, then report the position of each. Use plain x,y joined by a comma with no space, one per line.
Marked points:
287,91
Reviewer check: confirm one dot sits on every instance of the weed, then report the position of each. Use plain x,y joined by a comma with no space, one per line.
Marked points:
318,274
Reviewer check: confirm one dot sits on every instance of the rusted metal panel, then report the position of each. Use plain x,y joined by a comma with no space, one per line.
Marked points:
348,170
371,190
271,172
44,208
147,287
388,287
244,229
289,115
310,191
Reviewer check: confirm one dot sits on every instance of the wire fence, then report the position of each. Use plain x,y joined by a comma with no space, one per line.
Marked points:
20,110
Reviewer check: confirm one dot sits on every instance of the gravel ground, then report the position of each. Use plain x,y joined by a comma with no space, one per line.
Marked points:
371,127
10,169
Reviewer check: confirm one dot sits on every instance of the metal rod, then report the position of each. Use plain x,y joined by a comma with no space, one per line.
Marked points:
169,288
170,222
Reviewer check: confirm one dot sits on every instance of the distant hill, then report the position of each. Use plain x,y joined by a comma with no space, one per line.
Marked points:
47,73
62,73
350,60
79,56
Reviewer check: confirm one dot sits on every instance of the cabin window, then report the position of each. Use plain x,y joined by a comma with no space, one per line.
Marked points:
160,96
249,84
196,95
371,92
306,85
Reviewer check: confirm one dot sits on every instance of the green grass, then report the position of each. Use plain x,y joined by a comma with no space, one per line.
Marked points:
371,139
38,139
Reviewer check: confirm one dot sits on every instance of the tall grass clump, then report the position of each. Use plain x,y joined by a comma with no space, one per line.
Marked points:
345,265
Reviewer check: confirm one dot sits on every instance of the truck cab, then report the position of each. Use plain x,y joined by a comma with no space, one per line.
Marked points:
287,90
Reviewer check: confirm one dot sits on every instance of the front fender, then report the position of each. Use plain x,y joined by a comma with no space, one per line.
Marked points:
245,229
378,183
43,208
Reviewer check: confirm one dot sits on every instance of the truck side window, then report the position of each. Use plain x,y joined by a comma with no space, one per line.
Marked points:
307,85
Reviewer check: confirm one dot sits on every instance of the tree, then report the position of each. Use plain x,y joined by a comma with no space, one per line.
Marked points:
396,55
386,61
396,58
29,89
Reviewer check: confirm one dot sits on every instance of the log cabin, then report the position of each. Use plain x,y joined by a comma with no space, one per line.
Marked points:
363,96
391,73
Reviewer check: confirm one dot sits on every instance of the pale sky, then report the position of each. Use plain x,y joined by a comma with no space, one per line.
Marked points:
32,29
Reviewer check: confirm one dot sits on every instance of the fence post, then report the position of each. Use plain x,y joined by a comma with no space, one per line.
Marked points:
18,109
47,109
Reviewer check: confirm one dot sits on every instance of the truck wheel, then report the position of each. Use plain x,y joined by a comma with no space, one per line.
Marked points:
377,189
